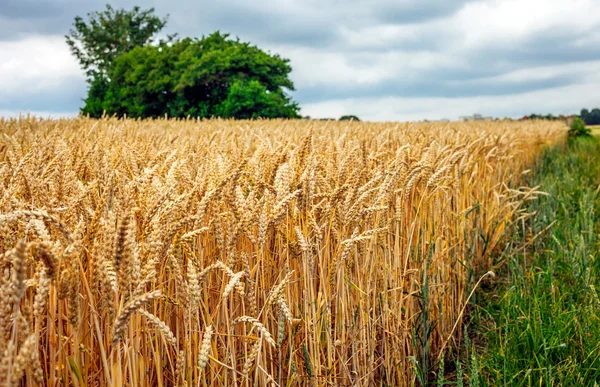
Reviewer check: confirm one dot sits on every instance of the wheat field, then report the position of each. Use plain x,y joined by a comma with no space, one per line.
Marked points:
234,253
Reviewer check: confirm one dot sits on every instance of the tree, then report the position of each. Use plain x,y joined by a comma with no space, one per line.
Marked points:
349,118
108,34
208,77
585,116
590,117
595,117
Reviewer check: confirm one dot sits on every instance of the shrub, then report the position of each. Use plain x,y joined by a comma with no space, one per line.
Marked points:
578,128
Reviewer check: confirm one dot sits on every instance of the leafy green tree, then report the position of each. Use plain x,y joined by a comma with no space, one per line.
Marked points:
98,42
208,77
129,73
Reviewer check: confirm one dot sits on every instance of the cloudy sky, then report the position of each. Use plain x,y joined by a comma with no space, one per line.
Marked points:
378,59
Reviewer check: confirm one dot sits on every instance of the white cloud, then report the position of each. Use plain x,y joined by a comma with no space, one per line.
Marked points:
506,21
36,63
38,74
329,68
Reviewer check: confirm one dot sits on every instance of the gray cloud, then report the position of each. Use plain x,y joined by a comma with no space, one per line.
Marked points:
249,23
308,23
398,12
425,88
32,9
543,48
66,98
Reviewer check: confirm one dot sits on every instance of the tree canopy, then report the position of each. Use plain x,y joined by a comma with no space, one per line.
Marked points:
349,117
214,76
110,33
549,117
591,117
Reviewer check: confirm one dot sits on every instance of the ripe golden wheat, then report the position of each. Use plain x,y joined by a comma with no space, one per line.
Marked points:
267,253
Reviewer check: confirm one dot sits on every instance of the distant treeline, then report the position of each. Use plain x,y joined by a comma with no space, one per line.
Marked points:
589,117
550,117
342,118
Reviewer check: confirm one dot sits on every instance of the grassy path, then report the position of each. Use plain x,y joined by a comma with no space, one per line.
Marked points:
539,324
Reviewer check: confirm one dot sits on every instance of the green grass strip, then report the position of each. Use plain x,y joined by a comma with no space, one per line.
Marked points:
539,324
